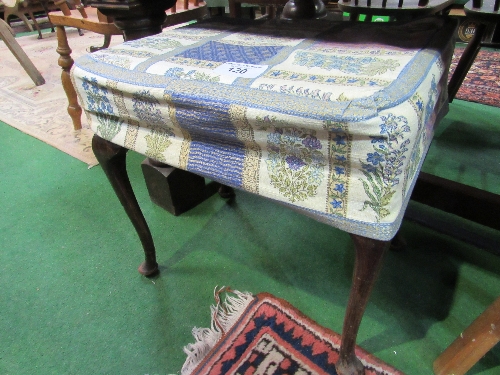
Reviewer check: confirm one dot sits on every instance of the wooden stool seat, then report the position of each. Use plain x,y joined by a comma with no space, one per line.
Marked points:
330,119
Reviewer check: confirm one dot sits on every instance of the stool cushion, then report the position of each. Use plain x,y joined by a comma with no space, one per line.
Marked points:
333,119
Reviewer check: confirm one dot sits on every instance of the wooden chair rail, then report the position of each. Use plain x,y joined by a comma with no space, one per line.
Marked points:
398,9
472,344
91,23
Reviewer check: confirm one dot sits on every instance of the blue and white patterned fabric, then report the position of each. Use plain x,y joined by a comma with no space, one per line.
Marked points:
333,119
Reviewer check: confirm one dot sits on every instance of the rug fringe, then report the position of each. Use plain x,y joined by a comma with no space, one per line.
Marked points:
224,315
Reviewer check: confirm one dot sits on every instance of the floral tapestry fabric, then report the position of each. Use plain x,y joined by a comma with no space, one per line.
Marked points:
332,119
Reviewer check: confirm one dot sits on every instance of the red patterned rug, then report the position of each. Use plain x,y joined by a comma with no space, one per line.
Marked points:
266,335
482,84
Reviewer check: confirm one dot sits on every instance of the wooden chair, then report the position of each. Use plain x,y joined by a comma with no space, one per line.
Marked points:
396,9
20,8
82,18
7,35
91,19
486,13
472,344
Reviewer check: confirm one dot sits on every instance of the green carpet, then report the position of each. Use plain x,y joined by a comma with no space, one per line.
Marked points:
72,302
466,146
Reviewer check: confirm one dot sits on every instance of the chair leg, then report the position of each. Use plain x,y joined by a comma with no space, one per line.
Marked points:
35,23
472,344
44,4
106,43
19,54
369,255
24,19
465,62
66,62
112,159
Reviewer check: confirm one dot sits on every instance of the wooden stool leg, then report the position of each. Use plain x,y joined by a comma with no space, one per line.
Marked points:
66,62
112,158
226,192
369,254
472,344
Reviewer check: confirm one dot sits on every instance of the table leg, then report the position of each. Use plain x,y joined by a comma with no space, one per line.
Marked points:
369,254
113,161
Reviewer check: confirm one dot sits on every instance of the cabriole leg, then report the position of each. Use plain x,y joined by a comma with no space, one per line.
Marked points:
113,161
369,254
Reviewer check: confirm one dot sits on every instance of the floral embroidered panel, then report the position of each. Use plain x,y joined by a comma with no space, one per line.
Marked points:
332,119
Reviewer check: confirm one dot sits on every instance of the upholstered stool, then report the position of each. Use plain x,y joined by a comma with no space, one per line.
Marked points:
331,119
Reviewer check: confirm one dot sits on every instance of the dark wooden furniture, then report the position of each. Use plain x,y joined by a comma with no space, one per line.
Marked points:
20,8
292,9
472,344
477,205
396,9
271,7
485,12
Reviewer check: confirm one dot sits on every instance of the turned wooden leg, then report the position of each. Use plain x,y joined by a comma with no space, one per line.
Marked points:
369,254
113,161
66,62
